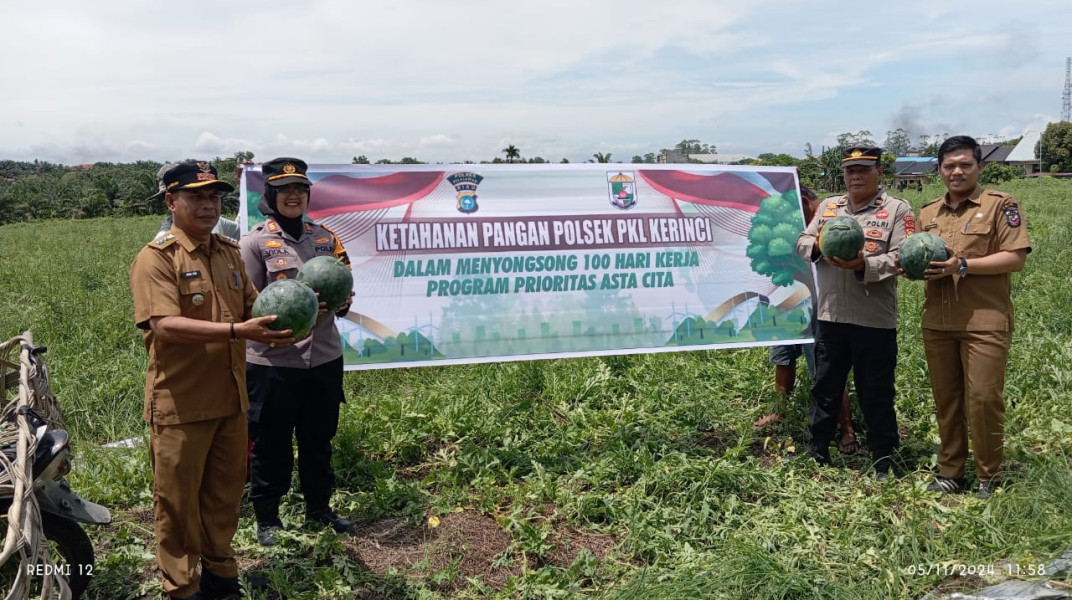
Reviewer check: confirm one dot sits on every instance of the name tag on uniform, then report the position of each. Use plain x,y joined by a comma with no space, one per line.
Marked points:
191,274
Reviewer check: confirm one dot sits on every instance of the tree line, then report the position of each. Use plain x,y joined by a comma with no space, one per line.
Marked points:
43,190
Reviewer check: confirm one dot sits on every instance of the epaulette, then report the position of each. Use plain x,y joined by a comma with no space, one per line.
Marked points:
226,240
932,202
163,242
997,194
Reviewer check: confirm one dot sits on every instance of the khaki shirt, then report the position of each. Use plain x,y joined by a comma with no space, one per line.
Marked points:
176,276
867,298
270,254
985,223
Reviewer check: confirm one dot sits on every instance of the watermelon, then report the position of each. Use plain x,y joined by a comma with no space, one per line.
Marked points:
917,252
841,237
293,303
329,277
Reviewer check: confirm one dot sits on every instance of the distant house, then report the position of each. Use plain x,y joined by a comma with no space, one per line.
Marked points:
720,159
993,153
913,170
1023,155
673,156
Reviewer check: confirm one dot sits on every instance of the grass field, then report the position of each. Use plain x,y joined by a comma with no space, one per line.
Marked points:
631,477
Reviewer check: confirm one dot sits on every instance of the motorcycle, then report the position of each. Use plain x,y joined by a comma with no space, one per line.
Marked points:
55,557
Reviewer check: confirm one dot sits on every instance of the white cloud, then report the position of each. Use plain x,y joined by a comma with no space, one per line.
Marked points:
329,79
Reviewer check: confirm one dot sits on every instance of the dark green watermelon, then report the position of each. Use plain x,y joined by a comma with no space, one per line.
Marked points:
329,277
917,252
293,303
841,237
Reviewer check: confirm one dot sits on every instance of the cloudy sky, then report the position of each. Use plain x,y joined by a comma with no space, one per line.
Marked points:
449,81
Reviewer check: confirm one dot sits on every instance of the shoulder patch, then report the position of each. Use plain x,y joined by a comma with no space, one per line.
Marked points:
163,242
226,241
1012,215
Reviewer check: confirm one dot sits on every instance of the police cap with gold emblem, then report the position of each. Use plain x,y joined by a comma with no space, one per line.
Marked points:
283,171
861,155
192,175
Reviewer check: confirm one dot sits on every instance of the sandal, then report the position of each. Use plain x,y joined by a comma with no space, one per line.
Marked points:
849,446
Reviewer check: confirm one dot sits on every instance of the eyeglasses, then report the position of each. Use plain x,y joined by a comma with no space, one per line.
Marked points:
294,189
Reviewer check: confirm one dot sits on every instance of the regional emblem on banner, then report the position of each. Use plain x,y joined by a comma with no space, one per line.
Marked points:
465,184
622,189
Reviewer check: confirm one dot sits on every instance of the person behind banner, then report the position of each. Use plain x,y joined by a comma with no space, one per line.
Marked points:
192,301
784,358
968,315
294,391
856,318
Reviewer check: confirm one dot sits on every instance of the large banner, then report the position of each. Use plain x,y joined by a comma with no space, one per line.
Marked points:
467,263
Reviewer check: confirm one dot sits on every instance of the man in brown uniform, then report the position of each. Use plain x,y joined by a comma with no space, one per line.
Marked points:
192,300
968,315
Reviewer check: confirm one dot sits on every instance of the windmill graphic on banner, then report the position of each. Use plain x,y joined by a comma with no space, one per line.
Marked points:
685,317
428,331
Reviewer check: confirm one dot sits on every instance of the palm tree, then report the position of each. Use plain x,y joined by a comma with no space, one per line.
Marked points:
512,153
601,158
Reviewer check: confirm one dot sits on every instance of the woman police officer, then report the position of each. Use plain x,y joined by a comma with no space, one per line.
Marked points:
294,391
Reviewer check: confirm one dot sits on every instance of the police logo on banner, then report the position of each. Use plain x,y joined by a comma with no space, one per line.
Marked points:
622,189
465,184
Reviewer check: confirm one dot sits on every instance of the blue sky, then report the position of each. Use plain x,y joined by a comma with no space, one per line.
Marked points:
122,80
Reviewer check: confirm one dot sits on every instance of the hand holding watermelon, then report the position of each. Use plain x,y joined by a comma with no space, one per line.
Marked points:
330,278
925,256
292,302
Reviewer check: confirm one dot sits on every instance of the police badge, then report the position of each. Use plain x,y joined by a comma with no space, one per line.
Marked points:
465,184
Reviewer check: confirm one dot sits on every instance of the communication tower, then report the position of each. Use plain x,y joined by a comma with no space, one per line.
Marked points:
1066,96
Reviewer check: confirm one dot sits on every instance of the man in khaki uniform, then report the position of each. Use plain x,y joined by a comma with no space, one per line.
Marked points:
856,317
192,300
968,315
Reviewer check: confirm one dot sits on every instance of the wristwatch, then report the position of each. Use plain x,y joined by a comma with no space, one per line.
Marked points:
963,270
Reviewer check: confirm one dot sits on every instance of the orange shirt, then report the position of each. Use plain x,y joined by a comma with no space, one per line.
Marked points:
176,276
985,223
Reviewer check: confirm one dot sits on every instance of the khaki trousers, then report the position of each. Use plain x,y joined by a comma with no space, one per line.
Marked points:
967,370
199,471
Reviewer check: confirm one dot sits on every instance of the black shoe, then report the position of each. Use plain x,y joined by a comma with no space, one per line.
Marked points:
266,533
820,455
884,469
258,583
214,587
987,489
947,485
328,517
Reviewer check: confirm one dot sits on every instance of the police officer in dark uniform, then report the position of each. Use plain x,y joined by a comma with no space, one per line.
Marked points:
294,391
192,301
856,318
